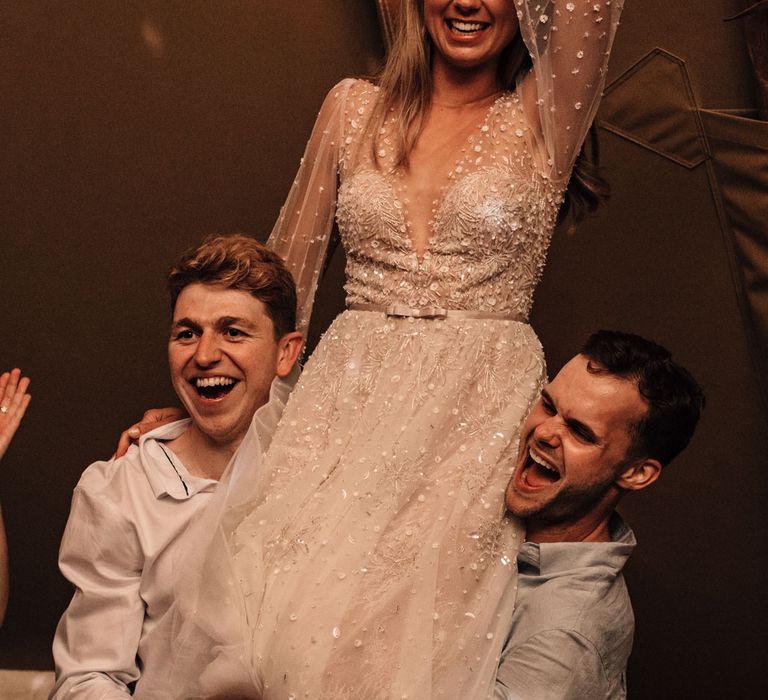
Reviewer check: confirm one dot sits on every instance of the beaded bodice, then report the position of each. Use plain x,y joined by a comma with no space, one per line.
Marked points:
483,246
373,534
490,229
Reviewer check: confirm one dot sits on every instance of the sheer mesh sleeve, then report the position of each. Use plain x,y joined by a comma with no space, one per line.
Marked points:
569,42
304,227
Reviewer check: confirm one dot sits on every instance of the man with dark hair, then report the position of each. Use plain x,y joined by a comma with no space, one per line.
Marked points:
232,334
607,424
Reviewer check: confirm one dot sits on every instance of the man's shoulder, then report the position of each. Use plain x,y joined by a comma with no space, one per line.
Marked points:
111,491
579,615
131,472
591,601
107,475
578,589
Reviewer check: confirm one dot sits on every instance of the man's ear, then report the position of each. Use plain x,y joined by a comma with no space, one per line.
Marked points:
288,348
639,474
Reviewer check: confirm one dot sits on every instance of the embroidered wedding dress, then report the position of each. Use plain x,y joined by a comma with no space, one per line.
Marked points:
370,556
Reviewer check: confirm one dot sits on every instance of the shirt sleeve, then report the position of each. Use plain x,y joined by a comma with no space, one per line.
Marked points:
304,227
98,636
569,42
552,665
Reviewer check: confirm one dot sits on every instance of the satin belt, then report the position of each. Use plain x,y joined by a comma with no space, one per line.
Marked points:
402,311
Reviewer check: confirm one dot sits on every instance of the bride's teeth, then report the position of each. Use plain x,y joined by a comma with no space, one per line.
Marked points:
466,26
201,382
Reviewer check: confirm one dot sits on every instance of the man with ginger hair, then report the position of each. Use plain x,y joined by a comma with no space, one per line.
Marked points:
232,343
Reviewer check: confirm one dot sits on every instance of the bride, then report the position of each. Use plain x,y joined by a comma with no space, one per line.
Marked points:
371,556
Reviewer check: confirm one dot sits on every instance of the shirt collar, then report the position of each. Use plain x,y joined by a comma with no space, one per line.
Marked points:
165,472
550,558
168,476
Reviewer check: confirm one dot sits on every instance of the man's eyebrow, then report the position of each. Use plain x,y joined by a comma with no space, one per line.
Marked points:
573,423
583,429
186,323
226,321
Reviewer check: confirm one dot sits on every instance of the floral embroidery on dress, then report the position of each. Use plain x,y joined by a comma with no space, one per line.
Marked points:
379,505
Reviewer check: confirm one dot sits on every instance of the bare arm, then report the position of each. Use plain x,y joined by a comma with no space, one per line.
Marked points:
3,570
14,400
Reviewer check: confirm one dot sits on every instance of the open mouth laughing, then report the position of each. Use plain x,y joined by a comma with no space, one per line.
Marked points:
538,472
213,388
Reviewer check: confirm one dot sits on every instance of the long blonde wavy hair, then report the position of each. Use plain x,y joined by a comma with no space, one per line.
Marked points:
405,82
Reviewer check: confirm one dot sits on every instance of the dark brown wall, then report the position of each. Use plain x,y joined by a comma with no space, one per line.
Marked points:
128,131
131,129
657,262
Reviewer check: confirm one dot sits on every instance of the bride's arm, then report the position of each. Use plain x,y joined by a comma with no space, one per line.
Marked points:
569,42
301,235
303,230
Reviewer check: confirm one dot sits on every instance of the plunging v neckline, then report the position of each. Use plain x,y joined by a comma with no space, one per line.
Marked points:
450,180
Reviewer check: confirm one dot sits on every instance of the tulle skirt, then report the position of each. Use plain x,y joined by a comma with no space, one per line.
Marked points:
369,555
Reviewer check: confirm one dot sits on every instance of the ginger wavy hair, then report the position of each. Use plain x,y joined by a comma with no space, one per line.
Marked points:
239,262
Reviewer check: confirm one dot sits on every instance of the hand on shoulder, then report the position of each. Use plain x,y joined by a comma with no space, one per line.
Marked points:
153,418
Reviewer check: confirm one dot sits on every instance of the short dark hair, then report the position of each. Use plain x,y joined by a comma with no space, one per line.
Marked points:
239,262
675,399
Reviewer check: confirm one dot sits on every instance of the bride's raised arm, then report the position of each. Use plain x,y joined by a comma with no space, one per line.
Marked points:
569,42
303,229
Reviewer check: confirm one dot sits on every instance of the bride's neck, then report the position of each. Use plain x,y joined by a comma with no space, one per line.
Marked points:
455,89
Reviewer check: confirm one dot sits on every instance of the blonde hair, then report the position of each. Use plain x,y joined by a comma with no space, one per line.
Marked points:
405,80
405,83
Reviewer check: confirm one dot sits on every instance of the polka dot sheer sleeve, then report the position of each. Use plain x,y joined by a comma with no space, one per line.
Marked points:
304,228
569,42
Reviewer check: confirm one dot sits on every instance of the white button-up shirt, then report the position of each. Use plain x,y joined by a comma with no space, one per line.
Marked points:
121,552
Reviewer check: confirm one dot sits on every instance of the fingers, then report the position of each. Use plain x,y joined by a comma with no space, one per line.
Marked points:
14,400
156,417
22,408
126,438
153,418
12,384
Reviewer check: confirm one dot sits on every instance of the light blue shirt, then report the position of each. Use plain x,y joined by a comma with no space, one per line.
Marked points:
573,625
